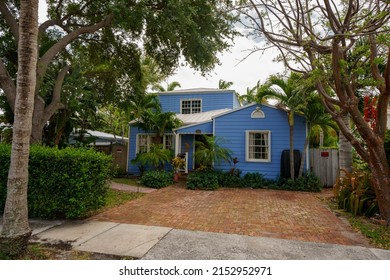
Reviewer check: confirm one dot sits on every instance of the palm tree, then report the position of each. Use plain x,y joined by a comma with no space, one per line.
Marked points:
250,95
158,122
224,84
290,96
141,103
315,116
170,87
211,150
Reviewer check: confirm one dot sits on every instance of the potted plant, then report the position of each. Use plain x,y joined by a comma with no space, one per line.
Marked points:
177,163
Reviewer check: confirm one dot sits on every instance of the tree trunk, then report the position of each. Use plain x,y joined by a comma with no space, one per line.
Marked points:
16,231
345,150
381,179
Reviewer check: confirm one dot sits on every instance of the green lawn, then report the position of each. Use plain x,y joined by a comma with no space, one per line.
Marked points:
117,197
377,234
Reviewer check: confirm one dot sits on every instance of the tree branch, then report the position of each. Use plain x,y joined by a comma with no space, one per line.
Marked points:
8,85
10,20
45,60
55,103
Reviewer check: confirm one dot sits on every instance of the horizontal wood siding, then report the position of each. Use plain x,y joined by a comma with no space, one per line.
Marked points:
205,128
210,101
236,102
232,128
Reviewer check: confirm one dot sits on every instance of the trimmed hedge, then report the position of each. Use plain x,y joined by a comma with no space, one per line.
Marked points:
67,183
157,179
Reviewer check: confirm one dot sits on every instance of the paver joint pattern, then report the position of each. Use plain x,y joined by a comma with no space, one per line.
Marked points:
254,212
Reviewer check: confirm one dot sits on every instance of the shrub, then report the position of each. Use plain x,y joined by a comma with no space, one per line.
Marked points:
307,183
157,179
203,180
226,179
354,193
256,181
68,183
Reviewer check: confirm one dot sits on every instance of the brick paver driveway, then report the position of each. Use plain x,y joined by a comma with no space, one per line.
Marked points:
268,213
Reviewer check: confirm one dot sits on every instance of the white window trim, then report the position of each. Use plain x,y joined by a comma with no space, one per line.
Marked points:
150,135
257,114
247,146
191,99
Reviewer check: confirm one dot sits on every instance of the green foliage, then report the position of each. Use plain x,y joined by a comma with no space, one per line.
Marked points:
68,183
355,194
203,180
377,234
212,180
229,180
117,197
158,121
307,183
211,150
256,181
157,179
157,157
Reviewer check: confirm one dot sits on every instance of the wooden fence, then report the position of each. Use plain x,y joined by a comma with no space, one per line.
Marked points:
325,164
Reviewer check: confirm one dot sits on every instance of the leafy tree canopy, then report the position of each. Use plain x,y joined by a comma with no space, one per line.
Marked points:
103,41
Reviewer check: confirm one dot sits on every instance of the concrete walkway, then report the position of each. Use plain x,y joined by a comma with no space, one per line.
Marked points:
128,188
159,243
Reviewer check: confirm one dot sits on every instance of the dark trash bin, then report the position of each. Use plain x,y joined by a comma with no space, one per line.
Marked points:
285,163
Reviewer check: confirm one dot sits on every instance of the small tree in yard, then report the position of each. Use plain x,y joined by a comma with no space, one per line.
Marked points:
211,150
320,40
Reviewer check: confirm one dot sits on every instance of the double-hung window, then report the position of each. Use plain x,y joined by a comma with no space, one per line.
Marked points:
144,141
191,106
258,145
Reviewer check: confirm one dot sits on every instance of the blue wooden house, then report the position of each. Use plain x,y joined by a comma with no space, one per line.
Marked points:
257,134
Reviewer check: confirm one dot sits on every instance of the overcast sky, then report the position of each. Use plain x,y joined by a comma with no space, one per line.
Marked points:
245,74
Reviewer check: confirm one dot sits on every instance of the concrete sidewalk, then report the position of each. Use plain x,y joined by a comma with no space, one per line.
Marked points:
151,243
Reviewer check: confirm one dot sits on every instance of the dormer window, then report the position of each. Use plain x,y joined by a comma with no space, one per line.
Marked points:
190,106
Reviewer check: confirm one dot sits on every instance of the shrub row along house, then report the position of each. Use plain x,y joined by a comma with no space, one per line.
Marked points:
256,134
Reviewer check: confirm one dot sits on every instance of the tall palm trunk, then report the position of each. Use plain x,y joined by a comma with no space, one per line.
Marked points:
16,231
